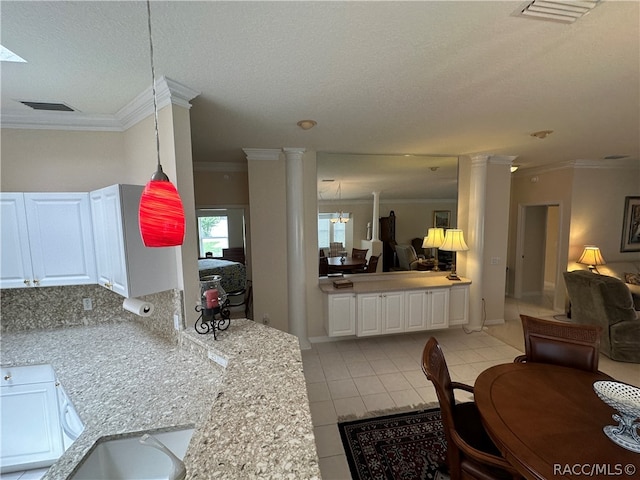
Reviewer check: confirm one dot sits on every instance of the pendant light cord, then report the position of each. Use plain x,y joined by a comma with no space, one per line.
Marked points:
153,87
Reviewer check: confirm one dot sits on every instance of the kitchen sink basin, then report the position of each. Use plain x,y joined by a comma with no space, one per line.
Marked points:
127,458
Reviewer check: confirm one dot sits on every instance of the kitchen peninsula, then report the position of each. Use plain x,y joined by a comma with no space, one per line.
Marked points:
244,393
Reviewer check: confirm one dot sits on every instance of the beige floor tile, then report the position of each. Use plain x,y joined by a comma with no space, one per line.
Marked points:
360,369
369,385
380,367
343,389
393,382
349,407
428,394
323,413
335,468
318,392
378,402
313,374
374,354
416,378
353,356
328,442
338,371
406,398
405,362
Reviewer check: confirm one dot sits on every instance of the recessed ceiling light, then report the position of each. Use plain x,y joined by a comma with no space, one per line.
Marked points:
307,124
7,55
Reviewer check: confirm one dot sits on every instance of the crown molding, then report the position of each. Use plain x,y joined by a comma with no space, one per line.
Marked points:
262,153
167,92
219,167
600,164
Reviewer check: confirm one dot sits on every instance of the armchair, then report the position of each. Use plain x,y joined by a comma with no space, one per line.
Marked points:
407,257
606,301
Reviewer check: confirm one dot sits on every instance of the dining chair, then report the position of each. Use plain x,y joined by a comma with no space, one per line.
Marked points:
470,452
335,248
560,343
372,264
359,252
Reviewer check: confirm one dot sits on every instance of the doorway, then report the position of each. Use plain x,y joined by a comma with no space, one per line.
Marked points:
538,239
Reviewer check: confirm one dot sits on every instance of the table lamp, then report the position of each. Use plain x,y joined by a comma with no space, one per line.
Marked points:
591,257
434,238
454,242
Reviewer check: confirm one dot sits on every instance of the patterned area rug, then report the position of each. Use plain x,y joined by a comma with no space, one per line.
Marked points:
406,446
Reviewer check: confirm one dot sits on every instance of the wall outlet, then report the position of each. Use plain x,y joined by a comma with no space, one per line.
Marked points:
265,319
495,260
87,304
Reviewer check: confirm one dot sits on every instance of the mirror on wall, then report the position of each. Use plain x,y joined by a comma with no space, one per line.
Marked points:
418,189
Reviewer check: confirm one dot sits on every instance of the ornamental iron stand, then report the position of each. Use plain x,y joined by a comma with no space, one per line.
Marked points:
214,310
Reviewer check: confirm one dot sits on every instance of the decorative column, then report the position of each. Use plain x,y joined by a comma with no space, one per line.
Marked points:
375,235
296,271
475,238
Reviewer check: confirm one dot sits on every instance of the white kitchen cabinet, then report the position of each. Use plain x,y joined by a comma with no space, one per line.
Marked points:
124,264
341,315
380,313
427,309
459,305
47,240
31,434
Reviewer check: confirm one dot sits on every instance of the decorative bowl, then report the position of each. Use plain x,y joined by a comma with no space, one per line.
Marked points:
626,400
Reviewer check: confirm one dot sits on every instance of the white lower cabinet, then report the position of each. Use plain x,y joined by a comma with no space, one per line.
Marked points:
341,315
459,305
427,309
380,313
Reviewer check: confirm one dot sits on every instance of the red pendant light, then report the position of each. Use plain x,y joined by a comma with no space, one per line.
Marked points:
161,214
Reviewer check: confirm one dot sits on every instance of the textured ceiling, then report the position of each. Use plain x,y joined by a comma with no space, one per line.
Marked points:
428,77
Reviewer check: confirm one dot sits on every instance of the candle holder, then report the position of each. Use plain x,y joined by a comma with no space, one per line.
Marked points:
214,307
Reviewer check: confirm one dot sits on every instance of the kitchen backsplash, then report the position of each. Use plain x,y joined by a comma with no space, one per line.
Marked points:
56,307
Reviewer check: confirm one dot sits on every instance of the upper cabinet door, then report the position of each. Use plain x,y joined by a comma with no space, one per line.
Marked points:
46,240
15,256
61,238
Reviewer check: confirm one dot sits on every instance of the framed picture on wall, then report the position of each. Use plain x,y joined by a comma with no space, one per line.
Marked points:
630,241
441,218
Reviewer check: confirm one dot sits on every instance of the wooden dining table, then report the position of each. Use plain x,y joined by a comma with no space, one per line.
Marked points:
344,264
547,422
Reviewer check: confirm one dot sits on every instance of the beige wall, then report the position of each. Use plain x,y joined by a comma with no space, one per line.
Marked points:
65,161
267,204
60,160
590,208
221,188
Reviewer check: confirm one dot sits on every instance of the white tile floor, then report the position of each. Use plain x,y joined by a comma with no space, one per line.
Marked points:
368,376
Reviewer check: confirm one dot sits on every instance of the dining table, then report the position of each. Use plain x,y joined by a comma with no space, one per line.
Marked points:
346,264
547,421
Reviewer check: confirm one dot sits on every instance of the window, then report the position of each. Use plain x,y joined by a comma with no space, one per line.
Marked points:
213,232
330,232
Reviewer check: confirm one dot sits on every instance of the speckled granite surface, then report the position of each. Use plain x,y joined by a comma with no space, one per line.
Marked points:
252,419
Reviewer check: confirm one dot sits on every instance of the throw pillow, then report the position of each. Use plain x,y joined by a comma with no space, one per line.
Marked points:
632,278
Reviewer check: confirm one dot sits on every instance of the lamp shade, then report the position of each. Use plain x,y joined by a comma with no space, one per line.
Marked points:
454,241
434,238
161,215
591,256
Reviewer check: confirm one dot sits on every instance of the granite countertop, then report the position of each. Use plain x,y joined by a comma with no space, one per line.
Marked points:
244,393
393,282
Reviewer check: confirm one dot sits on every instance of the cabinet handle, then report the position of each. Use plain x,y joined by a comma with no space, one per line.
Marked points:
7,376
36,282
27,283
108,285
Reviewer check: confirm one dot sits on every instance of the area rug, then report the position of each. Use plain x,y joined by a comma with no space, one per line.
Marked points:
405,446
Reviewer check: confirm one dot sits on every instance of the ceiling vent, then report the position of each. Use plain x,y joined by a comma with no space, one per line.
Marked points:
563,11
55,107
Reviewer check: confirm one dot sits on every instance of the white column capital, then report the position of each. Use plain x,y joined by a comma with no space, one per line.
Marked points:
293,152
262,153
